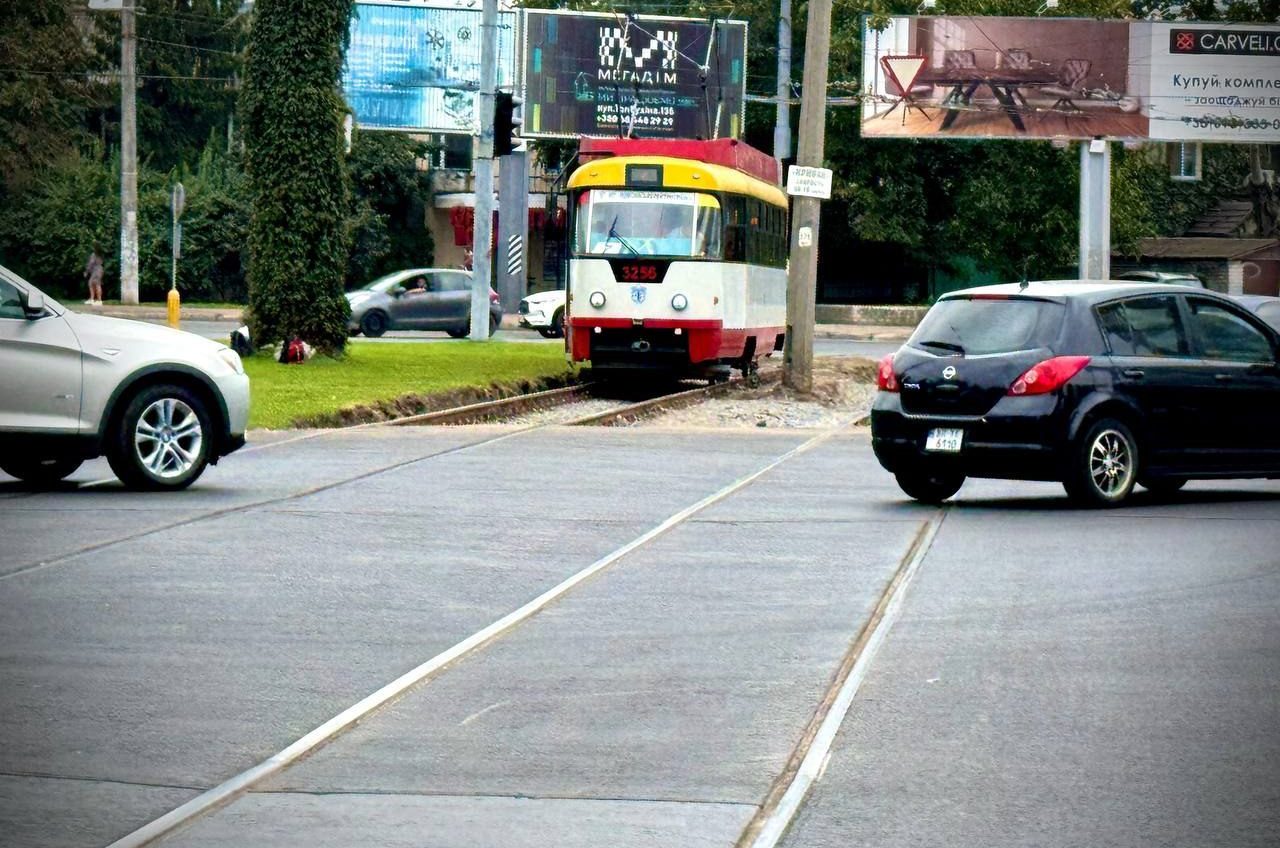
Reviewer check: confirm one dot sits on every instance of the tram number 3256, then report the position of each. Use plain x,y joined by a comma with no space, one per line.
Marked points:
636,272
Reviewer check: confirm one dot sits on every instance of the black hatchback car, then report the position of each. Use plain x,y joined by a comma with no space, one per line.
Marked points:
1097,385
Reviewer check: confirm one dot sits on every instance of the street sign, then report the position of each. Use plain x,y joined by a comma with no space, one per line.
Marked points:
177,241
803,181
106,5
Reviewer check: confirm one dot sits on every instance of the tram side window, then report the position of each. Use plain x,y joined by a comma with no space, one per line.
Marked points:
735,230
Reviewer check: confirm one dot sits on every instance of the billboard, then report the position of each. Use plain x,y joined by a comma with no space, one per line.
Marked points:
1071,78
416,65
599,74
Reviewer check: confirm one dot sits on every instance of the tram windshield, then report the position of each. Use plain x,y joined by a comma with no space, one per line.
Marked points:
648,223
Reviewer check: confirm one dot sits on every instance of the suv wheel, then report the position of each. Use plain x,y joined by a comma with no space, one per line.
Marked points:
40,471
931,487
161,440
1104,464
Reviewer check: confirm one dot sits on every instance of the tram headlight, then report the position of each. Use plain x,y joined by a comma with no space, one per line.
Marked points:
679,303
596,299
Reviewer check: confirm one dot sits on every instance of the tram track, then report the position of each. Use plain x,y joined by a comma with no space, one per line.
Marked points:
238,785
486,412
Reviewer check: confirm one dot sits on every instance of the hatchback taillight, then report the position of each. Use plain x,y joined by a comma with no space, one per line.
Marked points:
493,296
886,380
1045,377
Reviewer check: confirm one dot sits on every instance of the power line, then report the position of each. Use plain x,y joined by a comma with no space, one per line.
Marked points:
105,75
188,46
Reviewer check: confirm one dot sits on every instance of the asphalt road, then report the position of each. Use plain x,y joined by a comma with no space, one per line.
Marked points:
1050,676
821,346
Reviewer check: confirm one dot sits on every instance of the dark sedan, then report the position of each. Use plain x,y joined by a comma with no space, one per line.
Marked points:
418,299
1097,385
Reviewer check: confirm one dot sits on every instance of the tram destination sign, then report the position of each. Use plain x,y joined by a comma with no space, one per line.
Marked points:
648,76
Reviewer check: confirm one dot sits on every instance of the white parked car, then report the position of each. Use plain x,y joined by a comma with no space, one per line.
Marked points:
159,403
544,312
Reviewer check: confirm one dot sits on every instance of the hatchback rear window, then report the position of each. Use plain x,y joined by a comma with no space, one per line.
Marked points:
982,326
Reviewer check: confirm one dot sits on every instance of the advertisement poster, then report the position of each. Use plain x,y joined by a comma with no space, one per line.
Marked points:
982,77
647,76
1213,82
416,66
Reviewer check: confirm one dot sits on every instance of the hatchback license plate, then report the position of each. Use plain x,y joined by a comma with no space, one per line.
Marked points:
946,440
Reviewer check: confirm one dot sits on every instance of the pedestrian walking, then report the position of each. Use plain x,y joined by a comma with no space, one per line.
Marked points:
93,273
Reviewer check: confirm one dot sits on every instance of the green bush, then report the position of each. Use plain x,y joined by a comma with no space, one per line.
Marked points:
46,232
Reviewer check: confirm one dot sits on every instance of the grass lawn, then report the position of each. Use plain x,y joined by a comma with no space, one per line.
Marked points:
385,371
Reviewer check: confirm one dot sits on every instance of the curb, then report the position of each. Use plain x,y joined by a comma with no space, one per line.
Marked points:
194,313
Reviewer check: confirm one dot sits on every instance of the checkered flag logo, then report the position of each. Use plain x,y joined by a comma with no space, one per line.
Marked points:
615,49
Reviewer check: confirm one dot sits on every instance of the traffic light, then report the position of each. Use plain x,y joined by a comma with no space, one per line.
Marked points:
507,122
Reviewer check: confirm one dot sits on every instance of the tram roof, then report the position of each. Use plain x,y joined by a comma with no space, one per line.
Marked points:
611,172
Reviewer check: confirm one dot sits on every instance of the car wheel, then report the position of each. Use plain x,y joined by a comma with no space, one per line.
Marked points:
40,471
459,332
373,324
931,487
1163,486
494,323
557,324
1104,463
547,332
162,439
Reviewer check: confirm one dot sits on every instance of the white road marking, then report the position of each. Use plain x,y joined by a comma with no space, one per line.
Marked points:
479,713
814,764
230,789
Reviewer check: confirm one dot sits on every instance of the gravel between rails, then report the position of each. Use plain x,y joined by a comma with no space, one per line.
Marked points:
843,388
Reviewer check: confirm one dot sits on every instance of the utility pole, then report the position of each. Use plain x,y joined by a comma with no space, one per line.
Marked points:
1095,209
782,125
482,246
128,154
797,359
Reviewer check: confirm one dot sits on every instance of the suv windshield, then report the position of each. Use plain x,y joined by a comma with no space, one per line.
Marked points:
975,326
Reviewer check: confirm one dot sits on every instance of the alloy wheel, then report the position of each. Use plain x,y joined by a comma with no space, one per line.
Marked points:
1111,463
168,438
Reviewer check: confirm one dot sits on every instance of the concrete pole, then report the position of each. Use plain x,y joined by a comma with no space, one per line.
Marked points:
482,255
513,229
128,154
782,124
1095,209
797,359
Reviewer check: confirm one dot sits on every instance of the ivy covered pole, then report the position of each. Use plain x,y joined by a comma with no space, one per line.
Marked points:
291,112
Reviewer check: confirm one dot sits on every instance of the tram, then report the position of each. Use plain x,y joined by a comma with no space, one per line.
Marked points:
677,261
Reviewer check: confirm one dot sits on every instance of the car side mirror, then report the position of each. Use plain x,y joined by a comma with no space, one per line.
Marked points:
32,303
397,291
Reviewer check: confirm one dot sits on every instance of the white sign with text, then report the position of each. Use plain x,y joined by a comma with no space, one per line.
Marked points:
803,181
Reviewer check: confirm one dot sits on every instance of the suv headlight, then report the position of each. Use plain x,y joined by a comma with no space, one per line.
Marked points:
232,359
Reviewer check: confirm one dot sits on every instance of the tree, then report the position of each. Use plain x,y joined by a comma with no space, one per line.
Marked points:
390,193
292,113
46,87
189,56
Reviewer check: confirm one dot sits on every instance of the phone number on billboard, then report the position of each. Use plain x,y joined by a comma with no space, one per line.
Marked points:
1210,122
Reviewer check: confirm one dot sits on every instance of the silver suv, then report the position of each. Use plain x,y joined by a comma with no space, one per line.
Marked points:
161,404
